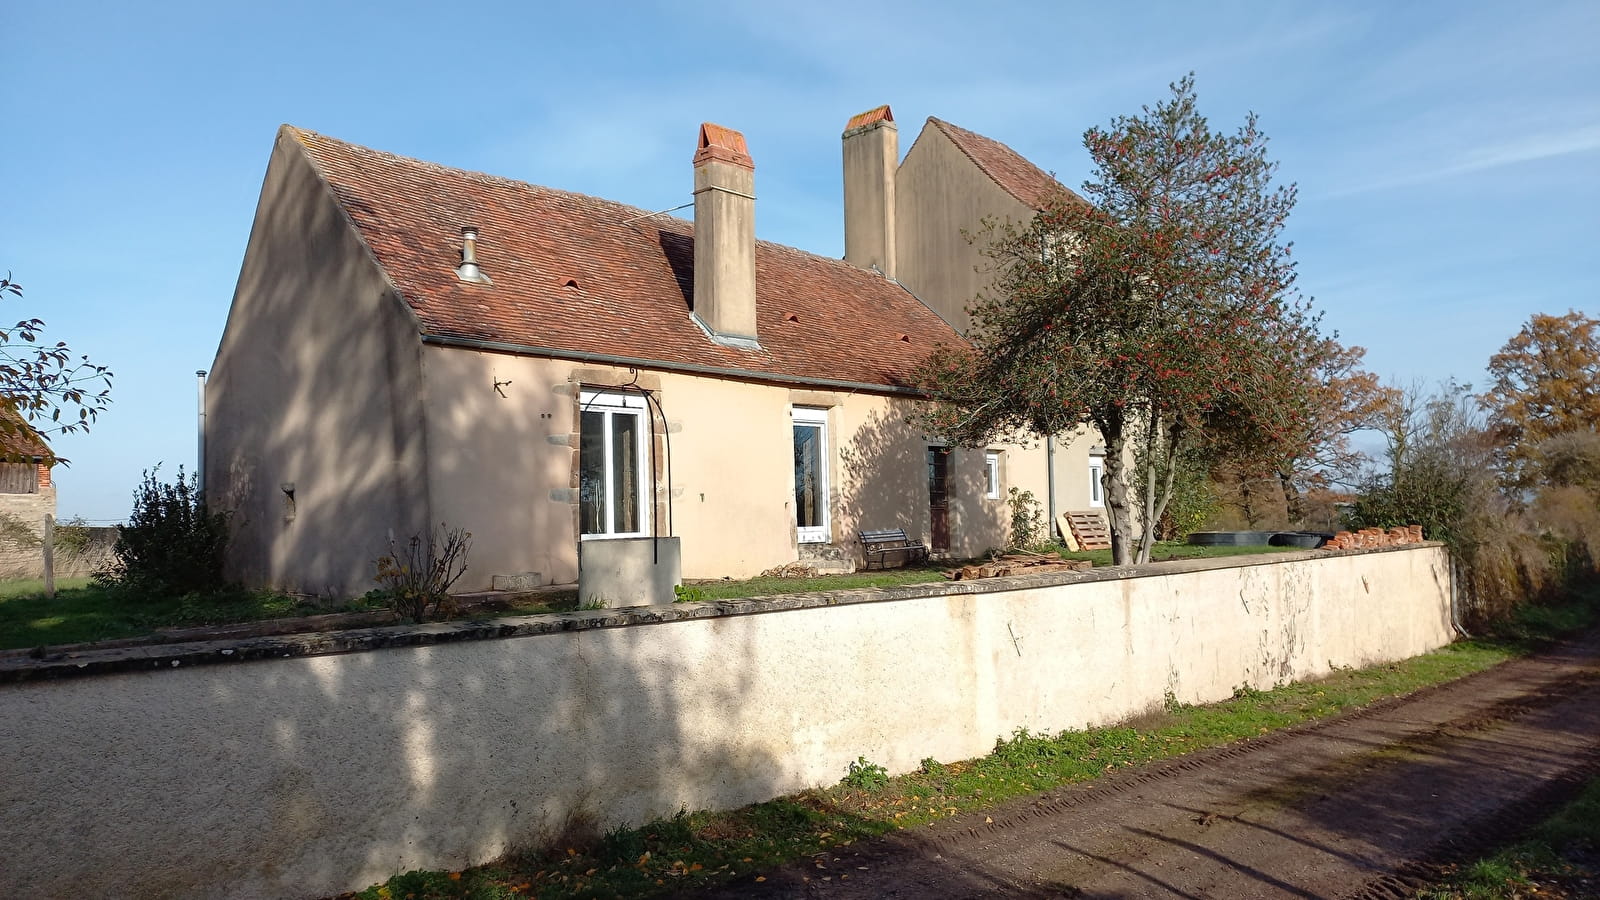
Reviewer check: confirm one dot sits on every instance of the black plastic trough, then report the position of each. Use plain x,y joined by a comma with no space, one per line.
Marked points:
1230,538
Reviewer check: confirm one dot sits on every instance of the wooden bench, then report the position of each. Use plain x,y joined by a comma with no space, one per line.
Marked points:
891,540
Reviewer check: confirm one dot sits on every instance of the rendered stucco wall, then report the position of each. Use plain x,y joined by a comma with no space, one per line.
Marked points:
316,384
501,465
939,194
305,777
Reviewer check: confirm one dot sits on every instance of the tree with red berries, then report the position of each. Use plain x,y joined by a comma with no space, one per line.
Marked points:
1162,312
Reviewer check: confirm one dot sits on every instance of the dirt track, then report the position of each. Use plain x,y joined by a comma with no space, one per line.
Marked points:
1365,805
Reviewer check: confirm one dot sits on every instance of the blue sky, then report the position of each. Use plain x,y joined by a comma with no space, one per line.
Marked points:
1447,153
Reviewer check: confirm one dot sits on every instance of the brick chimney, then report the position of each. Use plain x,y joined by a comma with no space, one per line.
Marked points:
871,156
725,237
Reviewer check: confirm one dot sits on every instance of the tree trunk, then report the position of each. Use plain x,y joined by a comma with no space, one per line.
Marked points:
1116,485
1147,529
1294,504
1246,501
1169,478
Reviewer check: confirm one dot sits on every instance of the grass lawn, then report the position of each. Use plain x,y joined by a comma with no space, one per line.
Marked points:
1557,859
1165,551
699,849
83,611
756,587
759,587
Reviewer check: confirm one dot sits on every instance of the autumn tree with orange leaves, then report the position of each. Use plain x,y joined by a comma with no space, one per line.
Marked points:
1546,382
1162,312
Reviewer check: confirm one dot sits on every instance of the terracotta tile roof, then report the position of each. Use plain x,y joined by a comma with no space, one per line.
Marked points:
18,441
1008,168
719,142
876,114
573,273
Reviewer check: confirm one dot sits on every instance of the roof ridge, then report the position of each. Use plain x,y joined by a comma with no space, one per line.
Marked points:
958,135
474,174
488,178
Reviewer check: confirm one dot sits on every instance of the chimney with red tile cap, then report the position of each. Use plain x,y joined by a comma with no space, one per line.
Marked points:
871,156
725,237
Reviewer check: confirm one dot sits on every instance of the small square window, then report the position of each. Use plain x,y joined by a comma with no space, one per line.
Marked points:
991,474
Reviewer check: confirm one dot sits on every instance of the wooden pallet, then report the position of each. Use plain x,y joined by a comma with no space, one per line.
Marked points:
1089,529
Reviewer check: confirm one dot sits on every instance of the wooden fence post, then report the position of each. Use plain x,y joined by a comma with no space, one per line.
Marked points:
49,556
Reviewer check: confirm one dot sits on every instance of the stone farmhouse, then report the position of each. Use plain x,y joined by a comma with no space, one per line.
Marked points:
411,344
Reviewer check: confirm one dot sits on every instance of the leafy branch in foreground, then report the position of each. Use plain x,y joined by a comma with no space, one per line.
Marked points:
55,391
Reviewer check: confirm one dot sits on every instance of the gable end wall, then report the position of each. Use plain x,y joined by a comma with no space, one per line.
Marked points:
316,384
939,192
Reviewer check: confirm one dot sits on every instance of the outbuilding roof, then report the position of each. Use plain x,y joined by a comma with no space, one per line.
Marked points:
579,274
18,441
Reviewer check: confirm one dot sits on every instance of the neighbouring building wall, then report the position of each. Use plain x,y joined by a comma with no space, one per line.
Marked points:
30,508
316,390
305,777
939,194
502,438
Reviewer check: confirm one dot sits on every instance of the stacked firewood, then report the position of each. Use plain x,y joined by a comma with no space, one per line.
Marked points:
791,570
1019,562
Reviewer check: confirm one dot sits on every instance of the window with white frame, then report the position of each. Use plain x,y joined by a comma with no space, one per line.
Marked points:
613,450
991,474
1097,474
810,474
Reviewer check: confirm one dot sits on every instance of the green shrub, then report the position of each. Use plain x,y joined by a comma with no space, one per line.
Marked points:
865,775
172,545
1028,528
683,593
1442,475
73,536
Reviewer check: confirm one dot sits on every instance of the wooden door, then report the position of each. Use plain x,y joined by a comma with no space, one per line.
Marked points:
939,497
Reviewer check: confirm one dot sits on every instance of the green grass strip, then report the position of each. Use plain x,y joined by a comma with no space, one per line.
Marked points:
705,848
1546,862
83,611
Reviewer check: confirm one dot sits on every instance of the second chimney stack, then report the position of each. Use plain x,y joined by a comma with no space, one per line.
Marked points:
871,156
725,236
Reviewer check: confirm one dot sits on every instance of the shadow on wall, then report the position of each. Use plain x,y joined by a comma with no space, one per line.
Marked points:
491,466
307,777
315,402
886,470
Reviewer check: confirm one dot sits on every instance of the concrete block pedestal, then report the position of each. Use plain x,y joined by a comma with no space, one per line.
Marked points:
629,571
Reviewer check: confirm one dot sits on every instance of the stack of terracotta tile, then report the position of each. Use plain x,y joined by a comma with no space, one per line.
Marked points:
1372,538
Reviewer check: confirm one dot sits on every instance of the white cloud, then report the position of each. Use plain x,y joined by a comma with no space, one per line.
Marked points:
1518,150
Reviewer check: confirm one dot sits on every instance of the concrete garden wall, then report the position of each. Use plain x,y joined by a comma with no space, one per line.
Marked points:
261,769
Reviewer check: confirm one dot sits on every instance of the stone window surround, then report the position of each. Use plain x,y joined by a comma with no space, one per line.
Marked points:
580,380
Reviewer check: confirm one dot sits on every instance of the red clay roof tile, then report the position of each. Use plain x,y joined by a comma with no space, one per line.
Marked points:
18,441
817,318
1006,167
877,114
720,142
